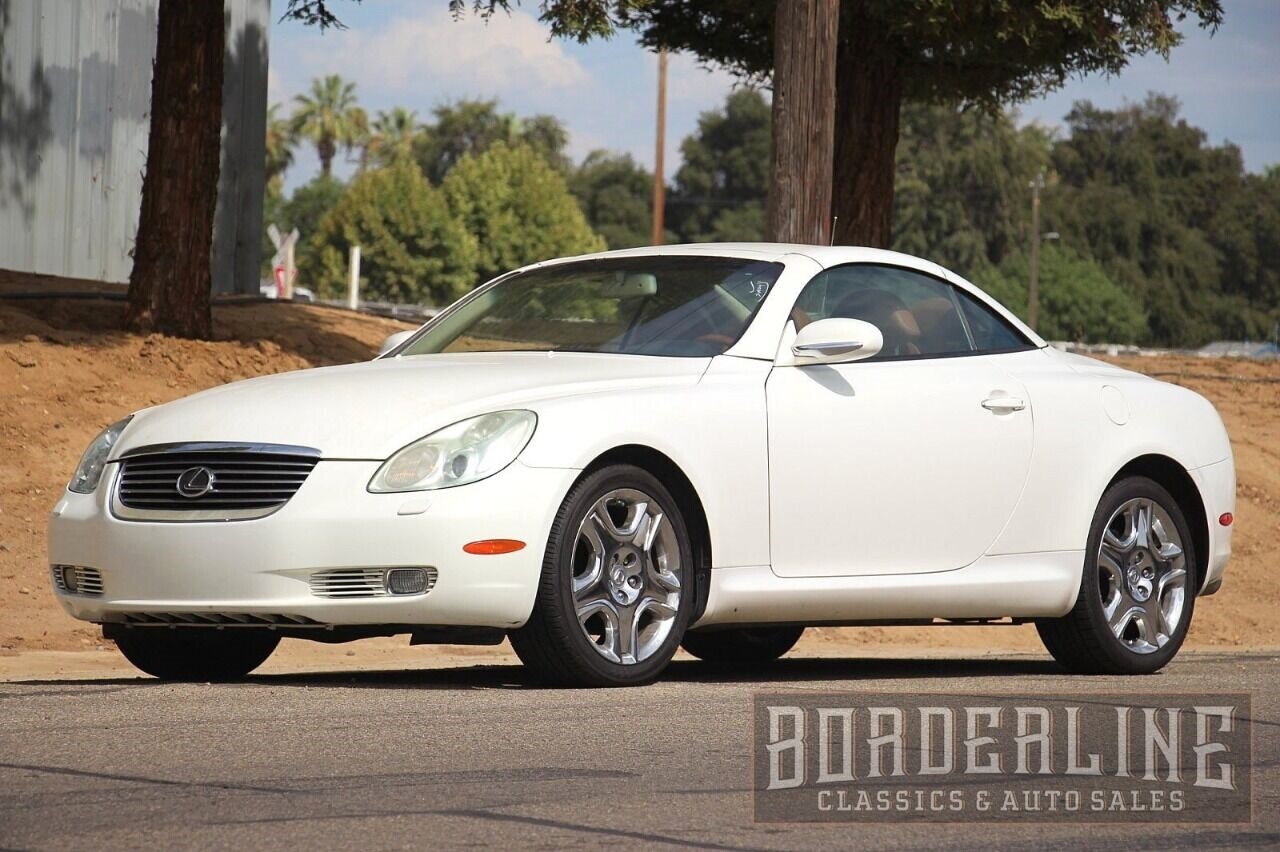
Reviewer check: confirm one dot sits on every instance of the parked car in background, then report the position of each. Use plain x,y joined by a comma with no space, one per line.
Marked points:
605,457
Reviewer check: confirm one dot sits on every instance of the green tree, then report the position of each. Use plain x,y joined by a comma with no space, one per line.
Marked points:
962,178
392,138
1078,302
895,51
546,135
280,144
309,204
461,128
330,117
472,127
1171,218
615,195
720,188
517,207
413,249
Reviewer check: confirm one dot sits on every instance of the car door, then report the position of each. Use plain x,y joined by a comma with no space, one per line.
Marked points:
910,461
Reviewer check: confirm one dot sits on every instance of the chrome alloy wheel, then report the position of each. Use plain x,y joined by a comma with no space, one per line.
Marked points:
627,576
1142,575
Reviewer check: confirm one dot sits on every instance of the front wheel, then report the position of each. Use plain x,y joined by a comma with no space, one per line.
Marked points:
617,584
1137,593
196,653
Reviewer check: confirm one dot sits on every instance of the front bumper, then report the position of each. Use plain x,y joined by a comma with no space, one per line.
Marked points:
264,567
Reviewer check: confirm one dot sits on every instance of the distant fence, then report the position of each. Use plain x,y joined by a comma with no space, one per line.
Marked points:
408,313
1219,349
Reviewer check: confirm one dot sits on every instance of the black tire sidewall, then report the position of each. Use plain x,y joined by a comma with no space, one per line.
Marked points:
1116,652
559,562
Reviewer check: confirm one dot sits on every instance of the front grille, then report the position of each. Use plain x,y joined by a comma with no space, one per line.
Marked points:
361,582
77,579
222,619
229,482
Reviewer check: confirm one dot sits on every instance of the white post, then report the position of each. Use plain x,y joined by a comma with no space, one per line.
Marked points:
353,282
288,272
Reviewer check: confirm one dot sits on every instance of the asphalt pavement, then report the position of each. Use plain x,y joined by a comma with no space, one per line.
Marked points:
473,757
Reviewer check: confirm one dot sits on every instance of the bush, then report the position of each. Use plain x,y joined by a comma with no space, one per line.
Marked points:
413,250
1078,302
517,208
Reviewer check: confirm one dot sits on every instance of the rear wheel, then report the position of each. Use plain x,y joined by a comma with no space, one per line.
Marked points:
1137,594
194,653
741,646
617,584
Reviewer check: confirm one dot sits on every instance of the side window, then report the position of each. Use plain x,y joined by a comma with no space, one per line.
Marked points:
991,332
917,314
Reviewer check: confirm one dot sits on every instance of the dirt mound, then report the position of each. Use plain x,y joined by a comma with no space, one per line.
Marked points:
66,371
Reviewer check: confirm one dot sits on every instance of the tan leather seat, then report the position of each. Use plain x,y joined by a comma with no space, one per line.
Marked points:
886,312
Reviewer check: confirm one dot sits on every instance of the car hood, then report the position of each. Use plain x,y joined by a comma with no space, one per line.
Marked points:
370,410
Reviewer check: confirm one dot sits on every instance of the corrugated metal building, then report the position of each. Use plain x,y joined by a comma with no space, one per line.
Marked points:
75,90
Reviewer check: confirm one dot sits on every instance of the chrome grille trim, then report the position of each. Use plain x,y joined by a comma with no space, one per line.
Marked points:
248,480
361,582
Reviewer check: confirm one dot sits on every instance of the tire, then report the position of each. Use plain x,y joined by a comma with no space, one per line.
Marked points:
196,654
609,565
741,646
1113,628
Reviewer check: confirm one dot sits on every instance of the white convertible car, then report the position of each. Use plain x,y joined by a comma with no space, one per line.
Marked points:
606,457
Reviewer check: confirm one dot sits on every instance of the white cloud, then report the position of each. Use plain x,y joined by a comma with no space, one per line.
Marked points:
431,50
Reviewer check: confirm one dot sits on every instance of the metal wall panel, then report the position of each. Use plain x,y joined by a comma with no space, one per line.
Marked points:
75,91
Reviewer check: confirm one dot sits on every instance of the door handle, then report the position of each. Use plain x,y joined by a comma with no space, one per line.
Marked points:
1004,404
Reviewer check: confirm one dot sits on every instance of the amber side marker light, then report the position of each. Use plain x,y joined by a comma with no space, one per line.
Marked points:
1226,518
493,546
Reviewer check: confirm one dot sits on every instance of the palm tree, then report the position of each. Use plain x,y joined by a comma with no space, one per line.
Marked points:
391,140
280,142
329,117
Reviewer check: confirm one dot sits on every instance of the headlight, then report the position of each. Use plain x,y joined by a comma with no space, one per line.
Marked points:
456,455
89,472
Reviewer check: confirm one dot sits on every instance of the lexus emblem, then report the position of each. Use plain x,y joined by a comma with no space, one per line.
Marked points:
195,482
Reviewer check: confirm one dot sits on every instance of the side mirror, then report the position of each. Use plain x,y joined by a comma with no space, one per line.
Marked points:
395,340
836,341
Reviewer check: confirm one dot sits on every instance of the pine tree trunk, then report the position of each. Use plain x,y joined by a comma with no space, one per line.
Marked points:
171,280
868,103
804,91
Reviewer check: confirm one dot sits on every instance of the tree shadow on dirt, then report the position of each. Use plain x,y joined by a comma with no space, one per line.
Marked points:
320,335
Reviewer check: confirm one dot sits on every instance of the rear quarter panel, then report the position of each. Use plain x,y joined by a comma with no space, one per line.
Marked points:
1083,438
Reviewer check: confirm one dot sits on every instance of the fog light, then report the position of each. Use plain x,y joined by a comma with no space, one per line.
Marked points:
406,581
70,578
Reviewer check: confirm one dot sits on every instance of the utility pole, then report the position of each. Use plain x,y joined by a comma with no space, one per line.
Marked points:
659,178
1033,292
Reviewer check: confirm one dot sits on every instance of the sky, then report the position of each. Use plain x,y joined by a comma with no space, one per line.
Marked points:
412,53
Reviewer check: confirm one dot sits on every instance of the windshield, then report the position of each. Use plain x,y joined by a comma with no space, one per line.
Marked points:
692,306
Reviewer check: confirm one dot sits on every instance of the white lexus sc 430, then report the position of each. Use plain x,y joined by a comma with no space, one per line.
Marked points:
606,457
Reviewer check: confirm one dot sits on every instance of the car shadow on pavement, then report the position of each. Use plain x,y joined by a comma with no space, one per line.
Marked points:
796,670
